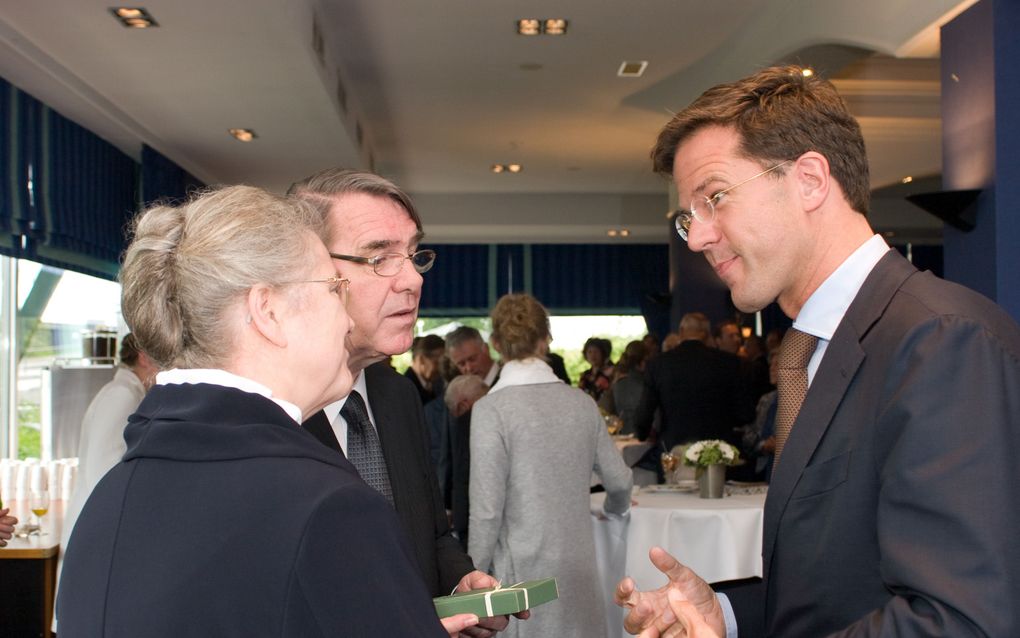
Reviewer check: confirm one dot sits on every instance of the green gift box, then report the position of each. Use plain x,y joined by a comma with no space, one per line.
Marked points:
498,601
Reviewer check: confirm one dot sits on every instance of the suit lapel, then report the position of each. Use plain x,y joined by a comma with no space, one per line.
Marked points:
318,425
843,358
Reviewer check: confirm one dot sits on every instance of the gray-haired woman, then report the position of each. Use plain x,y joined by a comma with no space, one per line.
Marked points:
226,518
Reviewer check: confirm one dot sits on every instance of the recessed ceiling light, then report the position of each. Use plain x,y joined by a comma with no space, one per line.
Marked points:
555,26
498,168
632,69
529,26
549,26
807,72
611,232
242,134
907,179
134,17
514,168
624,232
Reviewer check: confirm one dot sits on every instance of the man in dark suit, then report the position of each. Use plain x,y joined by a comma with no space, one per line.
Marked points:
375,231
892,509
461,395
699,390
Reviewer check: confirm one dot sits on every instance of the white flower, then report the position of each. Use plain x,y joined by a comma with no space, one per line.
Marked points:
711,452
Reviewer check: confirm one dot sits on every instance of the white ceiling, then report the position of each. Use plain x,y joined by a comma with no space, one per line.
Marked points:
442,90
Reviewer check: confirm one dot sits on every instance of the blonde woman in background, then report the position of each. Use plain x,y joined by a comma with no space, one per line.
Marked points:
535,442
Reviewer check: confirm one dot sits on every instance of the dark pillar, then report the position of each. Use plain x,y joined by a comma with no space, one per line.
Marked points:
981,147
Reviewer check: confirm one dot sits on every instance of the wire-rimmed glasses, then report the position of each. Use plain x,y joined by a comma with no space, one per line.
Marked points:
703,207
389,264
339,286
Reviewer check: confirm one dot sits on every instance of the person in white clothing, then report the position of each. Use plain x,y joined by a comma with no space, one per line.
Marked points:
101,444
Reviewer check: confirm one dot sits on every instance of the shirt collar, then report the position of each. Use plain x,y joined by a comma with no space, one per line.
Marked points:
228,380
824,309
361,387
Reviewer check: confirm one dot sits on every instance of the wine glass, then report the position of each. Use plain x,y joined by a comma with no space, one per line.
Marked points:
39,503
670,462
614,424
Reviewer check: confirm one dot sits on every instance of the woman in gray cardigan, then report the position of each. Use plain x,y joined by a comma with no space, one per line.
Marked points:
534,445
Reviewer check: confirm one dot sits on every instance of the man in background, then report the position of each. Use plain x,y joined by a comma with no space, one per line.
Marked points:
471,355
461,395
699,390
727,336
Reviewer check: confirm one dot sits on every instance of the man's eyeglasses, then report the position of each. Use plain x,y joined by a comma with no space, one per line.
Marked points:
339,286
389,264
703,207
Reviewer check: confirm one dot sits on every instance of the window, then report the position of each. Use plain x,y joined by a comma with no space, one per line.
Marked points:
48,316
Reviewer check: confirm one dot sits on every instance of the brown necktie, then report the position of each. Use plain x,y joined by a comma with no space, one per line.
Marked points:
792,382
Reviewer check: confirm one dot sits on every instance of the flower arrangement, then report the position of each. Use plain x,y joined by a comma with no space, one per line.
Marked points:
711,452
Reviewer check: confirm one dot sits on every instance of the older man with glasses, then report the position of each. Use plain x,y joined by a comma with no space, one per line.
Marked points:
374,236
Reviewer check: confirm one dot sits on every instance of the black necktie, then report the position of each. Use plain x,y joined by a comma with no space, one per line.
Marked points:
363,449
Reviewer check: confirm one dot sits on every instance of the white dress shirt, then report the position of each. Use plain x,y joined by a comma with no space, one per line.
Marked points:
824,310
337,422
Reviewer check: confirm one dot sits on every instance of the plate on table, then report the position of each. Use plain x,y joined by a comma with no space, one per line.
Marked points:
684,486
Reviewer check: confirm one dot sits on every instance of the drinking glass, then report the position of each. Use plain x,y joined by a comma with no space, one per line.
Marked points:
670,462
39,503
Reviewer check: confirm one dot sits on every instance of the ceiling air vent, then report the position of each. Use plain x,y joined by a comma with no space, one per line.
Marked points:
632,69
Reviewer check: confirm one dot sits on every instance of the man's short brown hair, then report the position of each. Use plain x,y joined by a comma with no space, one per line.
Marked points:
779,114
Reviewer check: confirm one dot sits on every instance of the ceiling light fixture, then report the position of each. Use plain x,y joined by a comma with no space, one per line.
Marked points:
555,26
498,168
907,179
548,26
611,232
807,72
514,168
624,232
529,26
242,134
134,17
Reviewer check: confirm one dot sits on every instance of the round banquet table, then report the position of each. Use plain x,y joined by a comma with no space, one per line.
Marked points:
720,539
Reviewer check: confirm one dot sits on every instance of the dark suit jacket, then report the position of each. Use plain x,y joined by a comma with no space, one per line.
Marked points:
404,439
461,473
893,510
701,394
226,519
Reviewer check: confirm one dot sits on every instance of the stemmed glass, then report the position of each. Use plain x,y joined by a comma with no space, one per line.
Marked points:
39,503
670,462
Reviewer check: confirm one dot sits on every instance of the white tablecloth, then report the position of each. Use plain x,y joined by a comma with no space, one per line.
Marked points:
720,539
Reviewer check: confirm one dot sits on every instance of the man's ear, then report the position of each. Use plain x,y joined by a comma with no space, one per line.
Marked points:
264,314
811,171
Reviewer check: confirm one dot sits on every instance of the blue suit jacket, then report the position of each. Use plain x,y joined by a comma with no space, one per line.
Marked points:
227,519
893,510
